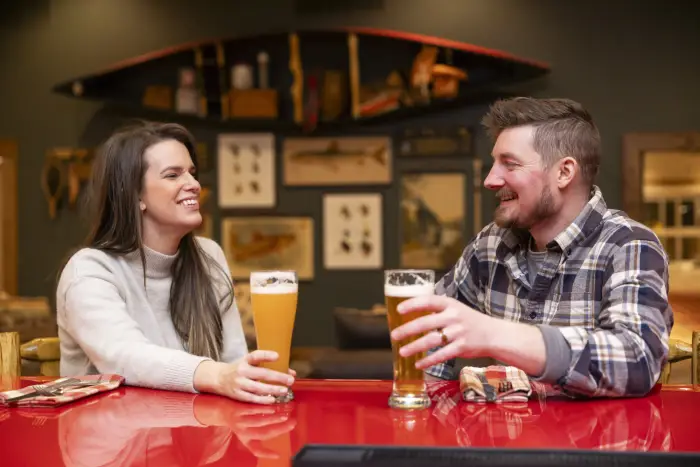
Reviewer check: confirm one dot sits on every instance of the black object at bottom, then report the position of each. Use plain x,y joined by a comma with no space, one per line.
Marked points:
316,455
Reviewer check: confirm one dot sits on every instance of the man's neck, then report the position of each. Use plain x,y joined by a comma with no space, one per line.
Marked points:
545,231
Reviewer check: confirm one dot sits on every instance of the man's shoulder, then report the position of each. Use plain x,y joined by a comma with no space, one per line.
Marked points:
618,228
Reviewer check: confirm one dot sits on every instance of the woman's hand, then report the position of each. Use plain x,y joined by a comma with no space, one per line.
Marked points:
244,380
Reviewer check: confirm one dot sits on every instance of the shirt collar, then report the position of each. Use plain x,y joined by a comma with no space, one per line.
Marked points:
584,225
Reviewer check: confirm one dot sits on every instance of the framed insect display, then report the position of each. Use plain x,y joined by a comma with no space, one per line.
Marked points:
352,231
246,171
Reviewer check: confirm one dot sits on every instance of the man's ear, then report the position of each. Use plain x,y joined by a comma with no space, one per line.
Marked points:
568,168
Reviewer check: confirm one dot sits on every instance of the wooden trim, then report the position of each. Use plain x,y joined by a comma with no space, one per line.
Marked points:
9,357
9,226
634,145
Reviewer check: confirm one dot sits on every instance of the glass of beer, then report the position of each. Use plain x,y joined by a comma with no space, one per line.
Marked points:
273,297
409,390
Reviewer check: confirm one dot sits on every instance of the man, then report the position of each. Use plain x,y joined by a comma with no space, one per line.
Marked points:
560,286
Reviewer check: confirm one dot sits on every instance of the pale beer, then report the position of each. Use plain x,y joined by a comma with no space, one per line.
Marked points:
409,389
273,297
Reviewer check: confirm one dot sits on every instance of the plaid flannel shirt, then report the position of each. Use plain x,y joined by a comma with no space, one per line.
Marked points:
603,285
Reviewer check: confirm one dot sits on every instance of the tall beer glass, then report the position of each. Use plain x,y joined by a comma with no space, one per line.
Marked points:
409,390
273,297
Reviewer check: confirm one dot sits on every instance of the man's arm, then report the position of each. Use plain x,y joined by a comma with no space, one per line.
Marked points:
624,354
460,283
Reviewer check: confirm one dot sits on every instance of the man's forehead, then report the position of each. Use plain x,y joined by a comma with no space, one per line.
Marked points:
515,142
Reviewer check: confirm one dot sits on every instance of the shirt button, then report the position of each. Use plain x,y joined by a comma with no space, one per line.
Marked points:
533,315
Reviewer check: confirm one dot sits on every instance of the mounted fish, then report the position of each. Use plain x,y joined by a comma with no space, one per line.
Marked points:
256,243
337,161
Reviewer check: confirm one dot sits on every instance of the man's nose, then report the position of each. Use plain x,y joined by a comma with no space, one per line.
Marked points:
493,180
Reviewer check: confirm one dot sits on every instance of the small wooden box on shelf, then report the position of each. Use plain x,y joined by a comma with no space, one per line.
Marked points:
253,103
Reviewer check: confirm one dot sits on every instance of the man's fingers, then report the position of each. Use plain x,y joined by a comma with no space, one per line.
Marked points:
425,343
432,303
439,356
420,325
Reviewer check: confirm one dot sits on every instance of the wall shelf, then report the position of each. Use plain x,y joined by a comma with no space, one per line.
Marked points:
317,80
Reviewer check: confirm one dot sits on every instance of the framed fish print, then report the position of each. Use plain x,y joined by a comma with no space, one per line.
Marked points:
348,160
257,243
432,219
246,170
352,231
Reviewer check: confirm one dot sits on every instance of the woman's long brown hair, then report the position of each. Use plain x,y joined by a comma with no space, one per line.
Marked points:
114,194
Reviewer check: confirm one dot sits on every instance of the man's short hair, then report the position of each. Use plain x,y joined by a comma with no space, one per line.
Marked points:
562,128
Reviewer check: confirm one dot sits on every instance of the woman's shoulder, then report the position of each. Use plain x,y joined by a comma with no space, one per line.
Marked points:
211,247
86,261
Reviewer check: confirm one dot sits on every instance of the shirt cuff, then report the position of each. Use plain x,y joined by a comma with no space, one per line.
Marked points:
557,355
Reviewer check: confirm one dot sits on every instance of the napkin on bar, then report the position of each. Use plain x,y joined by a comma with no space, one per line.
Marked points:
61,391
495,383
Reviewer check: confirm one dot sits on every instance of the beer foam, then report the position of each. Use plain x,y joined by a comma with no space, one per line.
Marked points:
408,290
274,289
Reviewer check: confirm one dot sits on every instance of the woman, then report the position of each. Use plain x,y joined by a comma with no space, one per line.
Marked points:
145,298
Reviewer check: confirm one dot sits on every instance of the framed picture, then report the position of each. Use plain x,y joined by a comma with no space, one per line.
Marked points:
352,231
259,243
241,291
435,141
432,219
246,170
350,160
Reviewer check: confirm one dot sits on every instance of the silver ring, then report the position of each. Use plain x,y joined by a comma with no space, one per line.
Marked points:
443,337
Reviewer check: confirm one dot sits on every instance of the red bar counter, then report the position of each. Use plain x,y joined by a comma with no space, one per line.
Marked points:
136,426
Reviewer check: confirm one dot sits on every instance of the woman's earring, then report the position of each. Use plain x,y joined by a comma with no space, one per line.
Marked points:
142,206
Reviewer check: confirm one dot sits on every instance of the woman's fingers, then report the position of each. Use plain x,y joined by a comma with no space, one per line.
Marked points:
244,396
259,356
247,423
263,389
265,374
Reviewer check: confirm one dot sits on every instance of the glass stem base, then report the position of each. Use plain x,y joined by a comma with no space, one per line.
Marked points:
283,399
409,401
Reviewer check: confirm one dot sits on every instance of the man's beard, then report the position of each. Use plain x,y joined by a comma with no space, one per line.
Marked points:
545,208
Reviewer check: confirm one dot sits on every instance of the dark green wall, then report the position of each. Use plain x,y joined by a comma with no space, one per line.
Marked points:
635,69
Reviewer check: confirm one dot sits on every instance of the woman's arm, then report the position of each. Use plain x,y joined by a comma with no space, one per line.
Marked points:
94,314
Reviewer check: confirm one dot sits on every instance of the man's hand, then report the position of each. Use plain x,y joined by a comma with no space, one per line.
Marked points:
469,334
467,331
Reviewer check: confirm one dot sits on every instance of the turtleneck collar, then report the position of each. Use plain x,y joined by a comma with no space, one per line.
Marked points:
158,265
